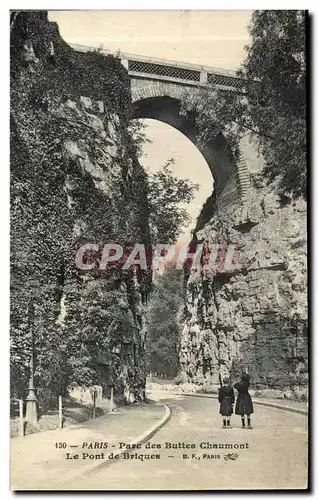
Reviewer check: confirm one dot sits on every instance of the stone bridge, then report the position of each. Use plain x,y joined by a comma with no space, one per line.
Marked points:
157,86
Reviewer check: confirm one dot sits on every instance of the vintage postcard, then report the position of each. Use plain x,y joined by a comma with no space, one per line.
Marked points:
158,208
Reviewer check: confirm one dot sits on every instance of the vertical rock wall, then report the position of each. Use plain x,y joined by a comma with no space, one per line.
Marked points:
253,316
75,178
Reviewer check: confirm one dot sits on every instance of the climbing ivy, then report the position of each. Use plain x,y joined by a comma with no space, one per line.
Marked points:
55,204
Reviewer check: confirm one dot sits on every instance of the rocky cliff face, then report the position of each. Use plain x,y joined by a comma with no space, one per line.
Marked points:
253,316
75,178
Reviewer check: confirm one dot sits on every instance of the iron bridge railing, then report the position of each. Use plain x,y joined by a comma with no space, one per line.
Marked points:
174,71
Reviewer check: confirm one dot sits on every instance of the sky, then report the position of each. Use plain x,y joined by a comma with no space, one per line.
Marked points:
210,37
213,38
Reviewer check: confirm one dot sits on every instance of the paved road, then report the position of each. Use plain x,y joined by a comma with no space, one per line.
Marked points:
38,461
275,455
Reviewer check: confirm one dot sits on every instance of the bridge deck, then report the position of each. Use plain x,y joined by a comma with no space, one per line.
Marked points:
139,66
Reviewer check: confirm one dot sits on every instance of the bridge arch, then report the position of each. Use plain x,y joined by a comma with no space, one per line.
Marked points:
161,101
153,79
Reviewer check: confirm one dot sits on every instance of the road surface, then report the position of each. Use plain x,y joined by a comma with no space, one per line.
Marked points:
272,455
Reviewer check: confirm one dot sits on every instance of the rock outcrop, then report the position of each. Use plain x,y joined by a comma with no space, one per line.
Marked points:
254,315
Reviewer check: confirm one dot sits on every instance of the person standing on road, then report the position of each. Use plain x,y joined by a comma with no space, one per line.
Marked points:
244,404
226,400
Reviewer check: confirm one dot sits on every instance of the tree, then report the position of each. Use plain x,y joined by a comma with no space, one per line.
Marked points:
273,107
164,323
165,193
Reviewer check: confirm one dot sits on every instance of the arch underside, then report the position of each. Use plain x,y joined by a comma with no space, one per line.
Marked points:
230,178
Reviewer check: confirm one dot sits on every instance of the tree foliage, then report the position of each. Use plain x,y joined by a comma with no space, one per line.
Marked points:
273,107
165,194
164,323
167,218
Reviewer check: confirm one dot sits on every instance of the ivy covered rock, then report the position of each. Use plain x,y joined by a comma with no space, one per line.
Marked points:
75,178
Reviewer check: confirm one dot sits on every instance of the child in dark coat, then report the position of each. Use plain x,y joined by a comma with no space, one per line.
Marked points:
226,400
244,405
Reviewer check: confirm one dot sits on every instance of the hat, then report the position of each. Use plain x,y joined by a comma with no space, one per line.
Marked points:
245,377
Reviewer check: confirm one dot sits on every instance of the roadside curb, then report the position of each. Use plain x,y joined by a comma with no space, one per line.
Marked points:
142,438
291,409
255,401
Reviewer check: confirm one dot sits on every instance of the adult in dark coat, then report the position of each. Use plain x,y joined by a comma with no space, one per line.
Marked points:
226,400
244,404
